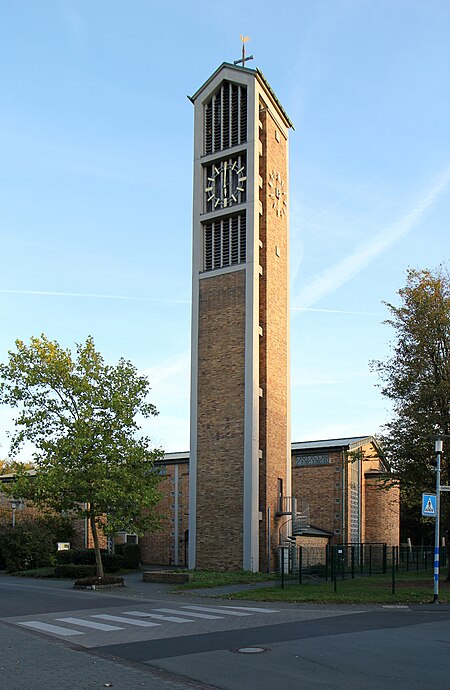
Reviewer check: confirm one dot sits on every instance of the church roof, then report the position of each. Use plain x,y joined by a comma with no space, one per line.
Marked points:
340,443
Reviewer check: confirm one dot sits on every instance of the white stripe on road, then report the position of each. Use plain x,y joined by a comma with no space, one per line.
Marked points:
250,608
89,624
129,621
211,609
159,616
46,627
193,615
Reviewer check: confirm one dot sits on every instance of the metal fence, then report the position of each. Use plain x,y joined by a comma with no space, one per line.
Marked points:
300,564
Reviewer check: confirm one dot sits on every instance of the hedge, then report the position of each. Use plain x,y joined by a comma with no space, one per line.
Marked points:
111,562
75,571
131,555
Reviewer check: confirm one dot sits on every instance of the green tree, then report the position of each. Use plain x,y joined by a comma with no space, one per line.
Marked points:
11,466
80,415
416,378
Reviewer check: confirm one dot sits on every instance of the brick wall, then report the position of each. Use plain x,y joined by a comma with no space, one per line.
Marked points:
220,430
382,514
321,488
159,548
273,316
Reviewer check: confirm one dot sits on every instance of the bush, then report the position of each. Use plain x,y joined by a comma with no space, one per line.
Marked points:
29,544
84,556
112,562
131,555
64,557
89,581
75,571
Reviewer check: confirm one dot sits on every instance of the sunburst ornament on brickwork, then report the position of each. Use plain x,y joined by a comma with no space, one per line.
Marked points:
277,193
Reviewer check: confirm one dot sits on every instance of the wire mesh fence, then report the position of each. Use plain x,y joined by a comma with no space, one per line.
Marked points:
300,564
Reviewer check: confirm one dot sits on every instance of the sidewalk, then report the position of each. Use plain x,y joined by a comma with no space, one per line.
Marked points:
32,662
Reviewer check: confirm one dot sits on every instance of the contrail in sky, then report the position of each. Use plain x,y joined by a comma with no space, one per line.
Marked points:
94,296
329,280
86,295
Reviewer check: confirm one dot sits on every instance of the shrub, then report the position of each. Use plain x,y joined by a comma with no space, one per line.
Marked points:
29,544
89,581
84,556
64,557
131,555
75,571
112,562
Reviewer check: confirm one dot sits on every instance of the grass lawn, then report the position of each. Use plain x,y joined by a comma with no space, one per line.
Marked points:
212,578
410,588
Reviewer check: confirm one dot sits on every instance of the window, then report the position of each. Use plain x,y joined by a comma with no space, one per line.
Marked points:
225,118
224,243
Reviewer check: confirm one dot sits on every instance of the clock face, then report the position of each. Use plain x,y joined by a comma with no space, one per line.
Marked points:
225,184
277,193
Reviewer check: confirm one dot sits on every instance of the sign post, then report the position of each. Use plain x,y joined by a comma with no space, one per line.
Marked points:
427,507
438,444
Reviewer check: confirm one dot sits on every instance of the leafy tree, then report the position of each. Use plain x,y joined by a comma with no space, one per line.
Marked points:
416,378
11,466
80,415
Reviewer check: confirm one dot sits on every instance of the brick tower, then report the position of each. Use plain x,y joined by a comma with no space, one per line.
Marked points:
240,463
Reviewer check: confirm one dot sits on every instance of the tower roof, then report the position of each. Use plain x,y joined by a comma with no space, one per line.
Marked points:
259,76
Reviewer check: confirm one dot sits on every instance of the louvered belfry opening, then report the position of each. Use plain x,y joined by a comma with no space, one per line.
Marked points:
225,118
224,242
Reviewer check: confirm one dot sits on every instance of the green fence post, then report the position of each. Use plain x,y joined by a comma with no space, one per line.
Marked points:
282,568
334,567
353,562
361,558
384,558
407,559
327,559
370,559
393,570
300,565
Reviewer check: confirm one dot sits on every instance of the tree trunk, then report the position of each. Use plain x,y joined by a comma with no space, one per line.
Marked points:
98,556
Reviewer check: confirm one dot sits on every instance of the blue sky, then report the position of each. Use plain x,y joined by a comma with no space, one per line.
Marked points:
96,142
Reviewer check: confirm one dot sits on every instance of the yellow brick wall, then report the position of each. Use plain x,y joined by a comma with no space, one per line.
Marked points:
220,429
158,548
273,315
382,515
321,488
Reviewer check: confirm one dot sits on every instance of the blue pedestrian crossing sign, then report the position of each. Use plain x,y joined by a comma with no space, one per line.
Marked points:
429,505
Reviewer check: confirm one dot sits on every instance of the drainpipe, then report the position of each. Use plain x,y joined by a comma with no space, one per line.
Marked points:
360,499
344,538
176,517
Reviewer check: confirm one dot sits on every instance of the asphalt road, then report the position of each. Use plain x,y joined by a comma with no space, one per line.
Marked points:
54,637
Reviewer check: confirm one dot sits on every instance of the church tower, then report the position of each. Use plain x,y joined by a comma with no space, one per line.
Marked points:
240,456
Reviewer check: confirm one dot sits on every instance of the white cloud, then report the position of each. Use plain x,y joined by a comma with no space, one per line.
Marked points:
331,279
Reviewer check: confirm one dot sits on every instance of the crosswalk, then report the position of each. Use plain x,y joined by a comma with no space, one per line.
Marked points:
108,623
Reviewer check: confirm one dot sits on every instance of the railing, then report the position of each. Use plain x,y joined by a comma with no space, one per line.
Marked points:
332,563
284,505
